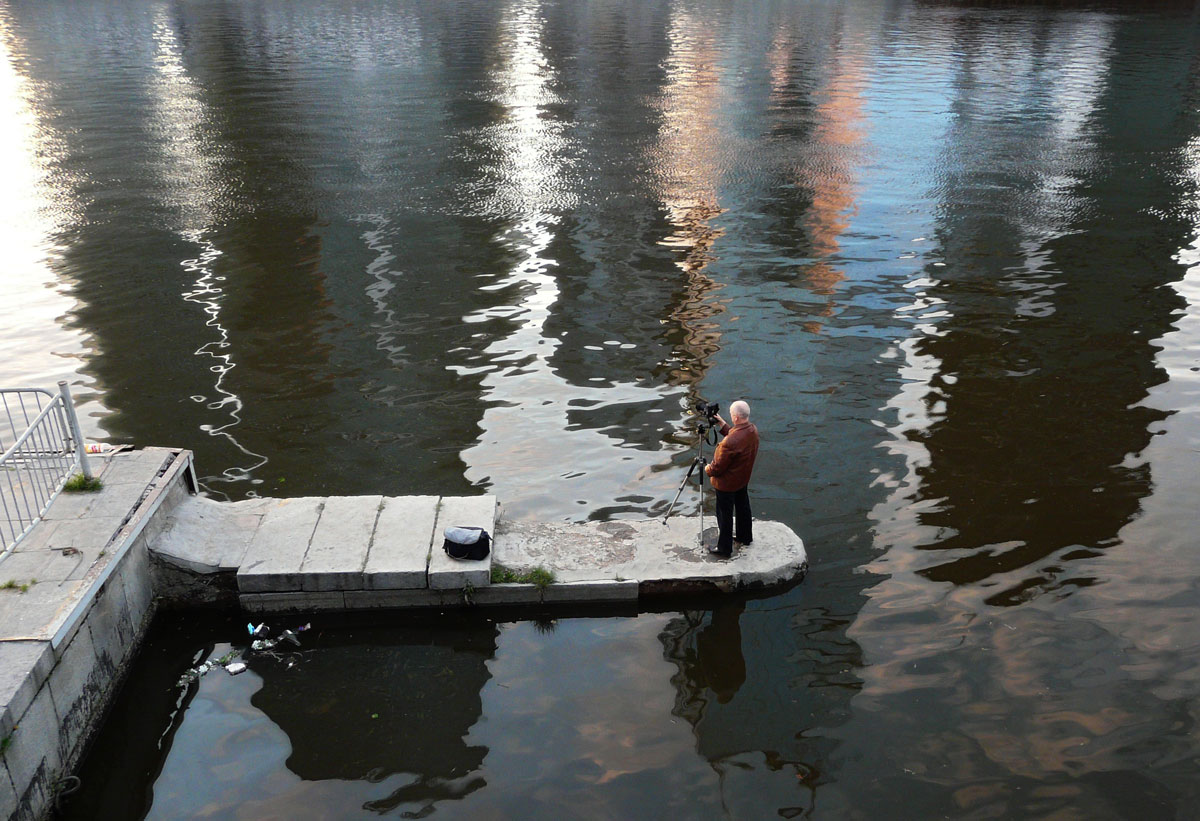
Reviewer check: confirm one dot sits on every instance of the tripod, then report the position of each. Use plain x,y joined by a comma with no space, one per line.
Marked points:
704,428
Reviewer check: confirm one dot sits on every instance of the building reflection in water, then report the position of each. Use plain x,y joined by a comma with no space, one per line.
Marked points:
691,137
197,198
772,739
1024,413
180,235
535,395
826,172
34,210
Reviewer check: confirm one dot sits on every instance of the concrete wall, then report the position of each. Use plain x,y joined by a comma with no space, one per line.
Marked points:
69,683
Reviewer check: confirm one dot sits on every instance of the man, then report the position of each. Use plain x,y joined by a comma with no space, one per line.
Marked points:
729,471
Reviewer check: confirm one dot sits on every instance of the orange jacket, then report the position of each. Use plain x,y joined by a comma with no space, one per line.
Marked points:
733,460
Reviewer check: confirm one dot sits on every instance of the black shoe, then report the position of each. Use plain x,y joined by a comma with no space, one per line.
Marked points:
743,544
713,551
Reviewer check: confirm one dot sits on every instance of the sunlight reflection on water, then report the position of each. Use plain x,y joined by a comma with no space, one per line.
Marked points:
947,253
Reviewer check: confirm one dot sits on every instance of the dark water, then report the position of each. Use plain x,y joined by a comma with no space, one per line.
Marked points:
948,252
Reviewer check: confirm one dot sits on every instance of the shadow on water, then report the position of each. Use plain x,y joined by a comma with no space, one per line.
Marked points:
415,693
388,708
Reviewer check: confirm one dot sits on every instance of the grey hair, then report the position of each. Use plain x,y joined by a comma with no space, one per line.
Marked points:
740,409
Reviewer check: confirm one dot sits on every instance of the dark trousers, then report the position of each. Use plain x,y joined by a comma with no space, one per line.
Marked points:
733,507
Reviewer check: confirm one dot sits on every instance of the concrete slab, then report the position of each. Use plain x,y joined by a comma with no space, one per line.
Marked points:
573,552
113,501
461,511
139,590
399,556
296,602
43,565
272,562
37,614
337,553
650,552
174,494
72,684
111,626
137,467
93,532
70,506
69,549
596,591
8,792
399,599
33,754
24,667
207,536
500,594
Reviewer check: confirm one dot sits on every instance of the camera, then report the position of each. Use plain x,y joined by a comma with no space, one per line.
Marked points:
708,410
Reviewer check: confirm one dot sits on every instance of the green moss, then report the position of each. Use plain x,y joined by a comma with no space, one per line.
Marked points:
539,576
82,484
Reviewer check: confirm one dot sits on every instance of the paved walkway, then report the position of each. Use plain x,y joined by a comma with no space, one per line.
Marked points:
67,551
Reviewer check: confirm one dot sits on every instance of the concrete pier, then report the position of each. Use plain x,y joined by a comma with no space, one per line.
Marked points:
89,577
366,552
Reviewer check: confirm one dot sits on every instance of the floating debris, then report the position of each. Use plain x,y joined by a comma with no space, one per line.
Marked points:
200,670
287,635
259,644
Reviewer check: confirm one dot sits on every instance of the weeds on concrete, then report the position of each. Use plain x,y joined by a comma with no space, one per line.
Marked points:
6,742
539,576
82,484
13,584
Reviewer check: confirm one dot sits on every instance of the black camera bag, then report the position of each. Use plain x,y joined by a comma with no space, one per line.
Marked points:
467,543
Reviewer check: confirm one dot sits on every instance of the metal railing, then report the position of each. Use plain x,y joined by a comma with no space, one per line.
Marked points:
42,449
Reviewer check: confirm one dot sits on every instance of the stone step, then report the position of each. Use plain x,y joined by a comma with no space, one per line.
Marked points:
446,573
349,543
399,556
337,552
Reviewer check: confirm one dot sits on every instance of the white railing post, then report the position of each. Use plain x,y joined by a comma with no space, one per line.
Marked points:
76,434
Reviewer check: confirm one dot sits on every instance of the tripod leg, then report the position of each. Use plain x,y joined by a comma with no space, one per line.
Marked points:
683,484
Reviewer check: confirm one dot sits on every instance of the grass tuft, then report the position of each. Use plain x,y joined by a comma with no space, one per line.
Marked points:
82,484
539,576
